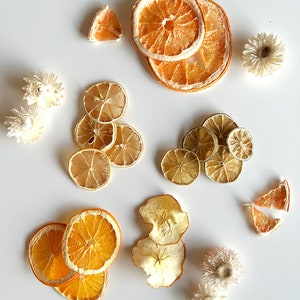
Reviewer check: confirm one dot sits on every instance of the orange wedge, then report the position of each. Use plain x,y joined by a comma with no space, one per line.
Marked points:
106,26
166,29
208,63
83,287
45,255
91,241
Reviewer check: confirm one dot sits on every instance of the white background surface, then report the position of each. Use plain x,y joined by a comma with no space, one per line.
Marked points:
36,188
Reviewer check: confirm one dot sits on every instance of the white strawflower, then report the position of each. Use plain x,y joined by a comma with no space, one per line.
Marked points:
25,125
263,54
221,268
44,90
206,293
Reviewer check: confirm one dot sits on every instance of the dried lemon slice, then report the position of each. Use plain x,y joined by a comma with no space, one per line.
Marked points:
127,148
105,102
91,134
163,264
89,168
201,141
167,218
221,125
180,166
240,143
223,167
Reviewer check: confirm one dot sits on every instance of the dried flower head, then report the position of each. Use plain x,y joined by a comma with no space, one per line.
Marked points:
44,90
25,125
263,54
206,293
221,268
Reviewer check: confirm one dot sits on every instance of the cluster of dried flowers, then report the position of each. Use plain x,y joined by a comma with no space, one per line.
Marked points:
42,91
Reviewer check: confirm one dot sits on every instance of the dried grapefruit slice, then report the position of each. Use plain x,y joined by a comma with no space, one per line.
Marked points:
106,26
208,64
168,30
91,241
105,102
45,255
180,166
89,168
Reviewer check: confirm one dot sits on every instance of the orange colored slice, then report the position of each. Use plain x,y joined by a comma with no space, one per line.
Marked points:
168,30
106,26
276,198
209,62
83,287
45,255
89,168
91,241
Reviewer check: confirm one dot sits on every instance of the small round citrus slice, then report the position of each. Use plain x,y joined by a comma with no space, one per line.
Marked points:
91,241
240,143
165,215
106,26
209,62
201,141
45,255
166,29
84,287
221,125
127,148
89,168
180,166
91,134
223,167
163,264
105,102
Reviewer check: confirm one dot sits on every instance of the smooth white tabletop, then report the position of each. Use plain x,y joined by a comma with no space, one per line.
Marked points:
35,185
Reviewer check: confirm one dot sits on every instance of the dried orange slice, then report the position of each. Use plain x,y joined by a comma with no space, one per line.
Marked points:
105,102
223,167
240,143
91,241
163,264
201,141
180,166
208,64
84,287
166,29
221,125
89,168
91,134
168,220
276,198
106,26
45,255
127,148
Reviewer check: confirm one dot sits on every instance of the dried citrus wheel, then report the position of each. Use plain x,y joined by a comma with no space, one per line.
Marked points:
105,102
208,64
106,26
180,166
163,264
276,198
127,148
263,224
221,125
240,143
84,287
45,255
167,218
91,241
91,134
223,167
201,141
167,29
89,168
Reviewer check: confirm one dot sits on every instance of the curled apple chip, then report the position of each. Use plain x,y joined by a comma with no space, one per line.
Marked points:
163,264
169,222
